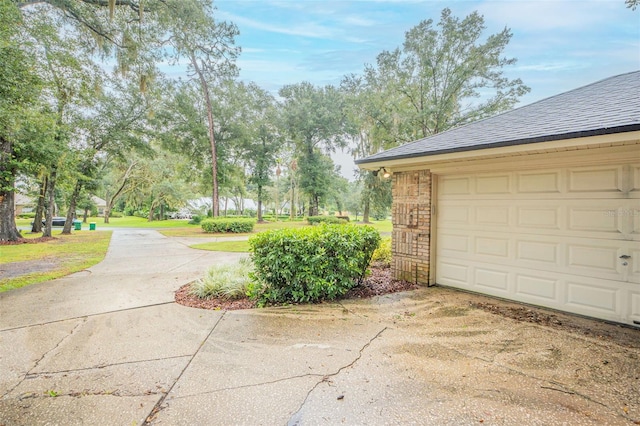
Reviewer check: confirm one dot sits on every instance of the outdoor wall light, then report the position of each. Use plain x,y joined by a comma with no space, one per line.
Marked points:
385,173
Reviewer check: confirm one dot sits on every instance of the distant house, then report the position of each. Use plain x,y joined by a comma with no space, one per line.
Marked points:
101,204
23,204
540,204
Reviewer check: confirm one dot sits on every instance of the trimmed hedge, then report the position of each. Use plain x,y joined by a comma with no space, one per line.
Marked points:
309,264
235,225
315,220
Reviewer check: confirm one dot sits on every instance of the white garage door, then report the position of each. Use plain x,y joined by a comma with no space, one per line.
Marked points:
564,238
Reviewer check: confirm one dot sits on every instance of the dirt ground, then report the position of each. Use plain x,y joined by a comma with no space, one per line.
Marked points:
380,282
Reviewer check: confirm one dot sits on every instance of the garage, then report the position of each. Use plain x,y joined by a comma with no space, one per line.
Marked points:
539,205
564,238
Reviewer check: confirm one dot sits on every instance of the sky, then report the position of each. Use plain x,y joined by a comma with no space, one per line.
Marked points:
559,44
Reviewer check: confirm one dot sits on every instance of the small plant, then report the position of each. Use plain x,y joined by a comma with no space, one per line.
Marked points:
229,281
382,255
332,220
236,225
52,393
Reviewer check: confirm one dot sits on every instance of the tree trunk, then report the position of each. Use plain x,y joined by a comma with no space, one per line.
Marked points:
37,219
111,201
365,213
71,212
259,204
50,201
212,140
8,229
292,201
314,202
150,216
84,217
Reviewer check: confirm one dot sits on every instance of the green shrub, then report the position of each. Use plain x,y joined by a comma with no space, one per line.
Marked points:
235,225
382,255
26,215
195,220
309,264
229,281
332,220
115,214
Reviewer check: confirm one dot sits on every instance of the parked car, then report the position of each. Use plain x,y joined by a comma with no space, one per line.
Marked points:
56,221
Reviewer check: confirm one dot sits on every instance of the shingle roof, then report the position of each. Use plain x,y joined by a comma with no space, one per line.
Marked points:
608,106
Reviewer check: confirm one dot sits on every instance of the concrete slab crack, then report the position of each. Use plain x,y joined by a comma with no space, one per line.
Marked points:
44,355
99,367
159,405
133,308
295,417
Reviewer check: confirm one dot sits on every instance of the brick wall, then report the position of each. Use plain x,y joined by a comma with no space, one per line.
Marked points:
411,216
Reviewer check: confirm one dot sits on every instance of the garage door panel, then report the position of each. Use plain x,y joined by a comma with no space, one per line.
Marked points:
493,184
543,218
635,180
588,260
541,253
492,246
634,306
594,219
494,279
592,179
493,215
595,298
455,186
550,237
547,182
537,289
452,242
454,214
454,274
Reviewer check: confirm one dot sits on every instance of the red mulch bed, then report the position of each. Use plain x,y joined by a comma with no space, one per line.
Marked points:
375,284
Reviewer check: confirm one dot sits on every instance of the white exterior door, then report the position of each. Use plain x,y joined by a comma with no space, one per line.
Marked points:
564,238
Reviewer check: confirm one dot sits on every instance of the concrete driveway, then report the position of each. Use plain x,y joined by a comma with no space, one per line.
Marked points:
108,346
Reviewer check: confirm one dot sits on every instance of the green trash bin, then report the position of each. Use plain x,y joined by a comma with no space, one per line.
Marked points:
77,225
92,226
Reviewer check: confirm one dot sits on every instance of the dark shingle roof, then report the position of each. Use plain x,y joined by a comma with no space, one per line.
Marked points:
607,106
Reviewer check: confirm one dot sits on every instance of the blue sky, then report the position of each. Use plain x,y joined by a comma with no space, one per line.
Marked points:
560,45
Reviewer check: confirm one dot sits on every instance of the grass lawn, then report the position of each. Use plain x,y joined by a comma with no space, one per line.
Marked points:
181,227
64,255
229,246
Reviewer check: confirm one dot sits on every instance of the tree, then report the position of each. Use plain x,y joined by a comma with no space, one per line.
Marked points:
259,136
315,121
23,124
444,76
209,47
447,76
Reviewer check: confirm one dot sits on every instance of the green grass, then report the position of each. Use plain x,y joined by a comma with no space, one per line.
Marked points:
65,254
380,225
228,246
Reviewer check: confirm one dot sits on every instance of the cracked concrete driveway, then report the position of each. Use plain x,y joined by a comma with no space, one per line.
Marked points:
109,346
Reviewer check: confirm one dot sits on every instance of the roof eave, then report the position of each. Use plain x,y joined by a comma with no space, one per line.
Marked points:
515,142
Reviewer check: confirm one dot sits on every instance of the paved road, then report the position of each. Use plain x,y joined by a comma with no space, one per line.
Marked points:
108,346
